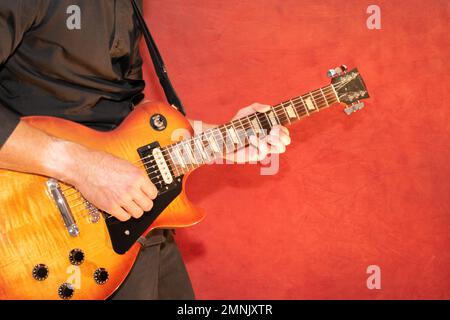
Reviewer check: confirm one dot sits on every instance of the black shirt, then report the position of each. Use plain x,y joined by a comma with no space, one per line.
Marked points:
75,59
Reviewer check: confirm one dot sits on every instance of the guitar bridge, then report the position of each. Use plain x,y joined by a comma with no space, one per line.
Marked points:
63,207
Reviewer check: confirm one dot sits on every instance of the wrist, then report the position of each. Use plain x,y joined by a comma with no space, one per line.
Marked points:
62,160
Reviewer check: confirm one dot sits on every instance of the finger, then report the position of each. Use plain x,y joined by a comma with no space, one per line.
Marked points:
285,139
280,129
285,130
252,154
253,140
263,149
149,188
119,213
143,201
260,107
276,145
133,209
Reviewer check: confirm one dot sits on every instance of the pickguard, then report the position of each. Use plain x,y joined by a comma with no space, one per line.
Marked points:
125,234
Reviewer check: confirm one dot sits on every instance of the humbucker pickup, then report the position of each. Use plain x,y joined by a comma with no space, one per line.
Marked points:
158,167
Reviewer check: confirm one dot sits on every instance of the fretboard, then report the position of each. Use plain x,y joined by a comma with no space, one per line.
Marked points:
203,148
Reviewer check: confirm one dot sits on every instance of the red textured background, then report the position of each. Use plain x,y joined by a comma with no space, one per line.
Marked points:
372,188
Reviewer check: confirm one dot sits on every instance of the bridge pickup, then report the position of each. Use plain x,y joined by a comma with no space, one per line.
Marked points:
63,207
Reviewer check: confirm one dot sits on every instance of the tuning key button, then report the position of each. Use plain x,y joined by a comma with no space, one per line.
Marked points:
66,291
40,272
76,257
331,73
101,276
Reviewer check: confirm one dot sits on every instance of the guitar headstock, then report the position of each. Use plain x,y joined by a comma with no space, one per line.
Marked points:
349,87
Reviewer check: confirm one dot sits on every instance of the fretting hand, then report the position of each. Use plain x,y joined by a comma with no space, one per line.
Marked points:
274,143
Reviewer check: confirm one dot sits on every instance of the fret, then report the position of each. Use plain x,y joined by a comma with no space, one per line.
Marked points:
273,119
335,93
256,125
199,144
187,151
244,131
291,114
247,125
309,104
288,118
260,126
264,120
198,157
218,136
273,111
227,141
174,166
331,98
267,119
213,142
179,155
304,105
258,122
207,146
314,101
326,100
232,133
295,108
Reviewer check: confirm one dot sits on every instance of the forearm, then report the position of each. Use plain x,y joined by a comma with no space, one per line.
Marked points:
31,150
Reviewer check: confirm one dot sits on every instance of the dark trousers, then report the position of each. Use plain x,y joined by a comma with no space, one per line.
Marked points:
158,273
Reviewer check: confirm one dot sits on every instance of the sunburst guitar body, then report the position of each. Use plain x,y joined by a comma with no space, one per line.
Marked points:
39,257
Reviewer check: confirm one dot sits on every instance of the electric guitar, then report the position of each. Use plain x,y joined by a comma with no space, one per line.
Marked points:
56,245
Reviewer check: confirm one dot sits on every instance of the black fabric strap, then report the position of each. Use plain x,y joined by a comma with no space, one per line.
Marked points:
158,62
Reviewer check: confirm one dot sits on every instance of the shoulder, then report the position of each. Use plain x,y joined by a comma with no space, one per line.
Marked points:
23,10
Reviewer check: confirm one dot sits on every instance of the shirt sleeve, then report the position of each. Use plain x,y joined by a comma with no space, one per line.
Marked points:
16,17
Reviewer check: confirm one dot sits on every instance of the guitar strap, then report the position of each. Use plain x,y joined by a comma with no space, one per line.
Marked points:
158,62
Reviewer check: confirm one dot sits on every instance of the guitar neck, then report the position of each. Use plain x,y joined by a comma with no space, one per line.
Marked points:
188,154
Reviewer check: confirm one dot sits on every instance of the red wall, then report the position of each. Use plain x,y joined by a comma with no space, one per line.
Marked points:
354,191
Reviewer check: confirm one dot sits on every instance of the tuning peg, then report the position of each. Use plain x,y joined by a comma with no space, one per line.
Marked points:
337,71
331,73
354,107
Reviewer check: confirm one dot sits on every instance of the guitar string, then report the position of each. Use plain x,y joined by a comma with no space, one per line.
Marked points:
282,118
83,202
200,136
324,92
328,89
314,93
85,211
79,201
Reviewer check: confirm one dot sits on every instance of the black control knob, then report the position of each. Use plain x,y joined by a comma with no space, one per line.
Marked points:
76,257
40,272
101,276
66,291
